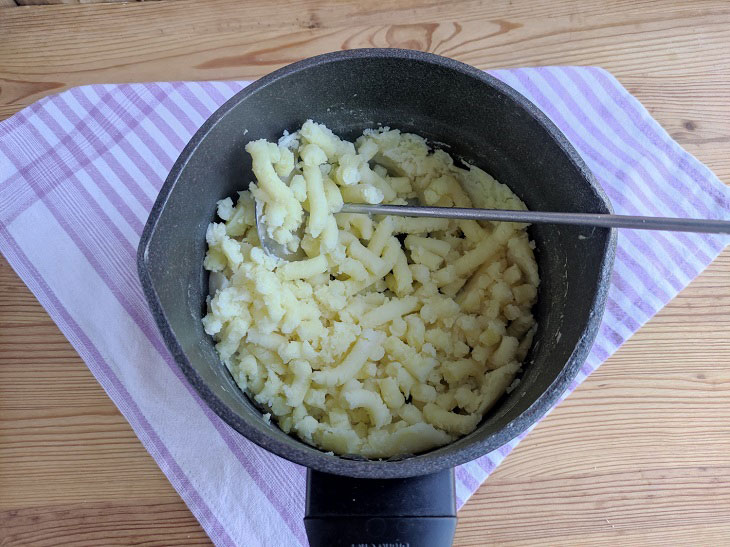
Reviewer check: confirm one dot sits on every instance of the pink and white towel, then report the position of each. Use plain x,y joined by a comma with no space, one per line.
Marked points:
79,172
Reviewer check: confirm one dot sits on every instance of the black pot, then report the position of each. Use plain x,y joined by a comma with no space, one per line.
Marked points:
410,500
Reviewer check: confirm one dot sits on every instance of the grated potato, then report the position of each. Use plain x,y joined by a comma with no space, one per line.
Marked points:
395,335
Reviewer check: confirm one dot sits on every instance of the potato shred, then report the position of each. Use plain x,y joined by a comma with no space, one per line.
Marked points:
394,335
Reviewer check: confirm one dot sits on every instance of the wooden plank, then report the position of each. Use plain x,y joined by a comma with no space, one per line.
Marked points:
59,2
159,41
618,462
156,522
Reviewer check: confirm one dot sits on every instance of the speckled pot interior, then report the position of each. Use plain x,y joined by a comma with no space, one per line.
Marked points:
476,118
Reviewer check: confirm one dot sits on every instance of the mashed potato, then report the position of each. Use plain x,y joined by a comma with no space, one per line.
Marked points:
394,335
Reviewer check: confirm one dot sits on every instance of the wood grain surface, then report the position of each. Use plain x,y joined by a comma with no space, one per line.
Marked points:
638,455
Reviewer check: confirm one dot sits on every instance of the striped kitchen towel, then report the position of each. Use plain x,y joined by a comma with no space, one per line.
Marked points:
79,172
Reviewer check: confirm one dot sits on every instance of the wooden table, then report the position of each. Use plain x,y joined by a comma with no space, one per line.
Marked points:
639,454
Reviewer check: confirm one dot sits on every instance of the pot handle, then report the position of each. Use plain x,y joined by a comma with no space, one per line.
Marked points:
350,512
